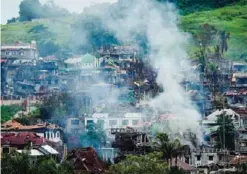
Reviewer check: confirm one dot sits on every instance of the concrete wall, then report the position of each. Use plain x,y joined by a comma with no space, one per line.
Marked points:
20,53
74,125
202,159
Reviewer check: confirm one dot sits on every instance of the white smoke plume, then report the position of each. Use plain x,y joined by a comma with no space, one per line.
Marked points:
167,54
159,23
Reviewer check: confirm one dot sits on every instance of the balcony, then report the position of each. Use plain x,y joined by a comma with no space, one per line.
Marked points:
242,149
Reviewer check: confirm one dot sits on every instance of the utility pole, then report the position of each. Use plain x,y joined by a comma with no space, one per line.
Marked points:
224,137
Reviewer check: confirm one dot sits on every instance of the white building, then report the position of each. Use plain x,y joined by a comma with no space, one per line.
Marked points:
20,50
212,118
127,120
74,125
49,131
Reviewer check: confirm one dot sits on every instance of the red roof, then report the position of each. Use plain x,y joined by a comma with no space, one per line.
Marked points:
238,160
182,165
240,111
86,159
14,125
4,60
22,138
240,92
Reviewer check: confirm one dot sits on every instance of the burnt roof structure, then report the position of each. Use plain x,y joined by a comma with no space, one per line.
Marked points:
86,160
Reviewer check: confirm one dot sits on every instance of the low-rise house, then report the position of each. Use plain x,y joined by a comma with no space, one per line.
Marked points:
241,141
19,50
204,158
49,131
120,52
207,157
27,142
85,62
236,96
212,118
239,67
210,124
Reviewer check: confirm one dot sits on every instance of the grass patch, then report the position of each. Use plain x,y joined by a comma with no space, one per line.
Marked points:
233,19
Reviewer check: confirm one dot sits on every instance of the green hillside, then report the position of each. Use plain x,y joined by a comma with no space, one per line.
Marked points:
55,33
232,19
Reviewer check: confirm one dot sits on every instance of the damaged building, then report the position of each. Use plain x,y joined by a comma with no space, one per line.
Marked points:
86,160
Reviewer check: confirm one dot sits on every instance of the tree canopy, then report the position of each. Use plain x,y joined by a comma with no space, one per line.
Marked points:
144,164
16,163
95,136
8,111
225,132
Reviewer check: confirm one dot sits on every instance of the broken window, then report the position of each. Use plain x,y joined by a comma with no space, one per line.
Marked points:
134,122
211,158
125,122
198,157
5,150
89,122
21,53
75,122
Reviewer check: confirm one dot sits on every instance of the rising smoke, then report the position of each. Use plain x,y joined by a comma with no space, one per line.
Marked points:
167,54
158,23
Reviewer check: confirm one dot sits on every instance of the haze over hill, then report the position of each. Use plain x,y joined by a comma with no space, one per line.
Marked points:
64,34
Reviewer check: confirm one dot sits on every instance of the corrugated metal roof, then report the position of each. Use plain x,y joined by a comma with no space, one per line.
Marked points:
32,152
50,149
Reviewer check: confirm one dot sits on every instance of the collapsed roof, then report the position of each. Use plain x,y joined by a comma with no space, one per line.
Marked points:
86,159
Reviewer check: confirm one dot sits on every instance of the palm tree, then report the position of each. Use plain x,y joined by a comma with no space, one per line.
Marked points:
223,41
170,149
225,132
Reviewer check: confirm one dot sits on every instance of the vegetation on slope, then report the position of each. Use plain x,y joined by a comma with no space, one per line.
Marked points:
232,19
67,35
8,111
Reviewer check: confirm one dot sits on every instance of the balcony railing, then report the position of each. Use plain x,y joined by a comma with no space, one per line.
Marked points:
241,149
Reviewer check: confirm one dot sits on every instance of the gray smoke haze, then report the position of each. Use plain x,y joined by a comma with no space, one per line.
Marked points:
167,54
